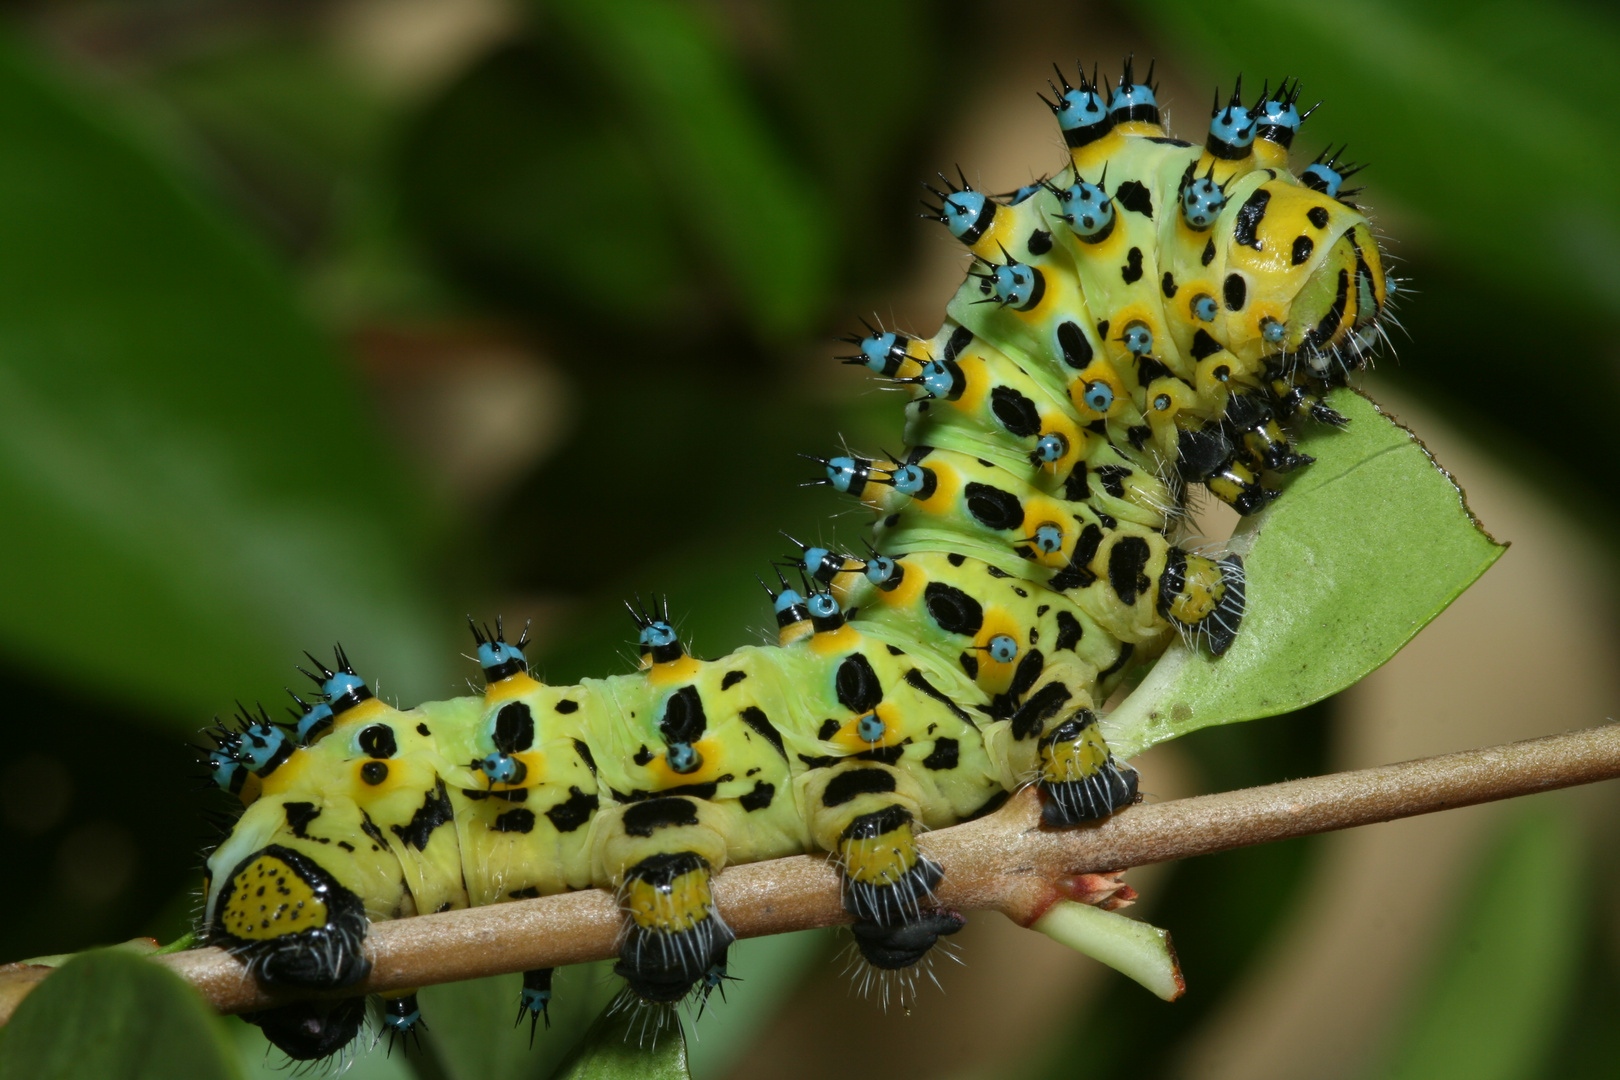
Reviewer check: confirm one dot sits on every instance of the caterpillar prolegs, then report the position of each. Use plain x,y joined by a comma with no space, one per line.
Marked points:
1147,319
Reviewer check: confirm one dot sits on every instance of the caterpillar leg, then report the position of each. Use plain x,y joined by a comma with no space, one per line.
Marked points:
534,1001
1204,598
311,1030
1078,778
866,816
676,937
661,855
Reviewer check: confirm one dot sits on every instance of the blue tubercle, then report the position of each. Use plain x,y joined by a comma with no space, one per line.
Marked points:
1131,102
1272,331
1204,308
910,479
495,654
1015,284
1050,447
845,472
883,353
942,379
1080,109
870,728
1279,114
1233,126
962,211
1323,178
317,717
1201,202
1138,339
502,769
1087,209
261,744
1099,396
822,605
882,570
657,634
1049,538
341,683
785,600
682,758
1022,193
1003,649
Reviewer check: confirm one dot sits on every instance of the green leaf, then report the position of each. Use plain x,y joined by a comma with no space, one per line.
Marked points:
1135,949
630,1041
1363,549
192,480
1494,1001
115,1016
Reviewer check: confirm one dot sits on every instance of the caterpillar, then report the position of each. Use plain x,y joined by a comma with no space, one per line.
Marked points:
1151,317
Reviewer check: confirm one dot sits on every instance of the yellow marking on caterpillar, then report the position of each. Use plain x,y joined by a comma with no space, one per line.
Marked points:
269,899
1204,586
848,737
672,908
994,675
881,860
677,672
534,771
1075,760
1099,370
289,775
513,686
712,753
1039,511
844,639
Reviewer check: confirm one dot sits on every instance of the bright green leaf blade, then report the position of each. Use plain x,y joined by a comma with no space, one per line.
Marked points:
1494,1003
115,1016
1137,950
630,1041
1363,549
190,475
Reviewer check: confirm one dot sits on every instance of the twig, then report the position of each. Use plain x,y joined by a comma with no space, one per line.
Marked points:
1004,862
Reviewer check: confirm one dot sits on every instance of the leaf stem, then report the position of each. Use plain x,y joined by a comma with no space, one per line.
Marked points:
1005,862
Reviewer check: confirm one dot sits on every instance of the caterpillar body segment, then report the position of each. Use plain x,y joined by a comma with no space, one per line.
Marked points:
1148,318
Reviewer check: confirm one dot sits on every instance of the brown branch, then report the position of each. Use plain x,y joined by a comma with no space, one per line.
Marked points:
1004,862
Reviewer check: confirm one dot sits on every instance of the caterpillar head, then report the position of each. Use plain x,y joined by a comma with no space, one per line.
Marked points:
290,921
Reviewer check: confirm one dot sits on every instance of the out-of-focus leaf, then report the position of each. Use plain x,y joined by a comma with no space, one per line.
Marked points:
471,1029
714,152
1495,998
115,1016
1444,103
194,486
630,1041
1364,548
766,970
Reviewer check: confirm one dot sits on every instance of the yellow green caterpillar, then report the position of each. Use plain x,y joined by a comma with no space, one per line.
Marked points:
1148,318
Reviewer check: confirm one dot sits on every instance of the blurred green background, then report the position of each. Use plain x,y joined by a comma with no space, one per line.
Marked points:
341,318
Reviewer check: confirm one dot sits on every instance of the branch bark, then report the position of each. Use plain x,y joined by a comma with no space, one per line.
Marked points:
1005,862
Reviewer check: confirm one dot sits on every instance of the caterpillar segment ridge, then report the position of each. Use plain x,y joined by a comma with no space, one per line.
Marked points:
1152,317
